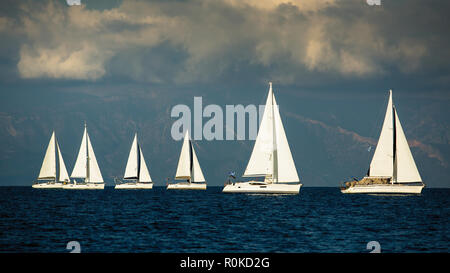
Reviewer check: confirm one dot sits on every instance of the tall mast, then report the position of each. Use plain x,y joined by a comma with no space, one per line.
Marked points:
87,153
394,146
191,160
56,160
274,151
138,152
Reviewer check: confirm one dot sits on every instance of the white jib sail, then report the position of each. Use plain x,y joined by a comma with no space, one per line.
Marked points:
144,175
131,170
261,159
184,162
63,175
406,169
286,170
48,168
79,170
197,174
95,176
382,161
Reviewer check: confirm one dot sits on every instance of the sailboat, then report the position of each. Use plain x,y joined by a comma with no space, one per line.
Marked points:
136,170
271,158
392,169
86,167
188,169
53,178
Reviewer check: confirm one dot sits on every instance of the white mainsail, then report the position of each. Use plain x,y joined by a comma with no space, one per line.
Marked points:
271,155
86,165
136,167
391,160
48,168
261,159
188,165
405,167
184,162
80,168
383,157
131,170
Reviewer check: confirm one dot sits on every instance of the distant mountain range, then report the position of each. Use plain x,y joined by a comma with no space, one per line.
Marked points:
331,140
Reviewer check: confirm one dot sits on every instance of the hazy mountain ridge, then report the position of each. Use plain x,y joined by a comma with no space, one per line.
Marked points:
325,151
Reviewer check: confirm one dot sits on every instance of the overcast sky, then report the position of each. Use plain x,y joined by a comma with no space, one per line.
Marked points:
178,42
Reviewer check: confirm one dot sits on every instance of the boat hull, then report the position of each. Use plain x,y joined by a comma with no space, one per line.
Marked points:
47,186
187,186
384,189
88,186
275,188
134,186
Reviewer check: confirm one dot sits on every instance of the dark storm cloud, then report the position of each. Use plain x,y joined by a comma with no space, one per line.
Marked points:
204,41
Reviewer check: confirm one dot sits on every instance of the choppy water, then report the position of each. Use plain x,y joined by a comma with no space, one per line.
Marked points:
317,220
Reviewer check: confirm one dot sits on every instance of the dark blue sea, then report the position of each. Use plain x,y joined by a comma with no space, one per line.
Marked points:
316,220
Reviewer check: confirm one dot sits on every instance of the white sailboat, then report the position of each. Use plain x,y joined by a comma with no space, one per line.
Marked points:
271,158
136,170
188,169
86,167
53,176
392,169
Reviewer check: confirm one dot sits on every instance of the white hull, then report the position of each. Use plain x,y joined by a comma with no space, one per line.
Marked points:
48,185
187,186
87,186
385,189
132,186
261,187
